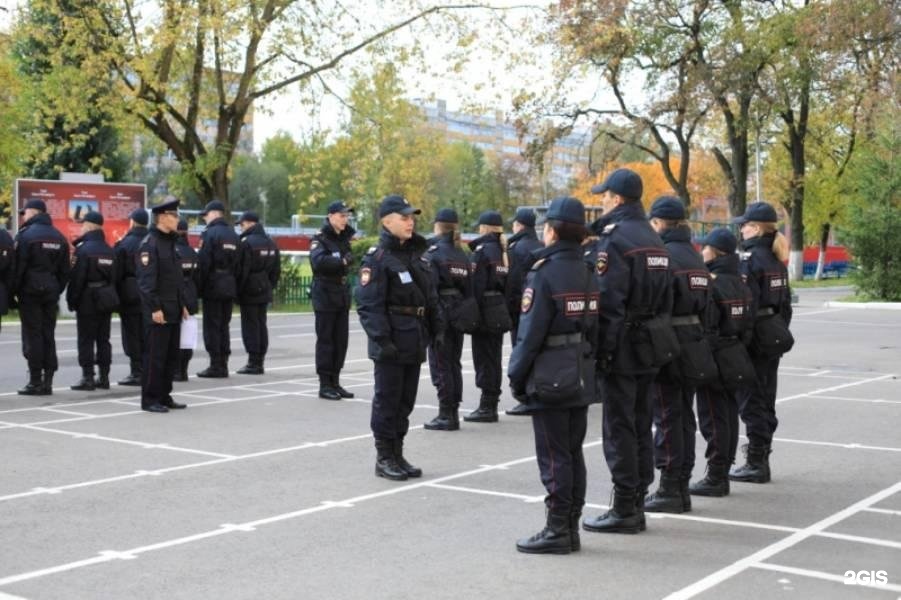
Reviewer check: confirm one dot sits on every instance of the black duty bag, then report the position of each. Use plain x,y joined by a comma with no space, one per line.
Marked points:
41,284
772,338
562,374
495,314
106,300
654,342
464,315
129,295
222,287
734,362
696,363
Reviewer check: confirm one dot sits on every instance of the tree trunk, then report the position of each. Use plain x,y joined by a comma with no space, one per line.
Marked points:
821,257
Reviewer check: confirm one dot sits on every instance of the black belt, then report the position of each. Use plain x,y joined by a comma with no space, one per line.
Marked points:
685,320
766,311
493,293
222,270
450,292
562,339
96,284
413,311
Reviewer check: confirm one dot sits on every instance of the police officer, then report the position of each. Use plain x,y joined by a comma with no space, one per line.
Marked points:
190,270
732,318
91,295
559,312
259,268
632,267
490,266
520,246
672,394
160,282
7,269
331,258
763,251
218,257
450,268
130,315
42,271
398,307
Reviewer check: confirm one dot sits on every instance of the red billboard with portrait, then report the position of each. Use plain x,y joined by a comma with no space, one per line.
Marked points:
68,201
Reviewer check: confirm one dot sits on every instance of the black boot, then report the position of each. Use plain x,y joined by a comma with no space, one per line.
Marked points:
667,498
410,470
385,464
715,484
623,517
553,539
447,419
757,467
326,391
134,377
216,370
103,380
34,386
486,412
254,366
520,410
341,391
640,496
686,494
575,517
47,383
86,383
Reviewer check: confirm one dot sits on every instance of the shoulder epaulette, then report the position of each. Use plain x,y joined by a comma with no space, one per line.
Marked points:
372,250
538,264
479,247
744,255
432,248
608,229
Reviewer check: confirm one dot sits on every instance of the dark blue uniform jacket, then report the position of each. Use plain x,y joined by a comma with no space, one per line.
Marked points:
259,266
7,270
126,251
731,312
218,257
331,259
766,276
450,272
190,271
520,247
42,261
94,267
160,278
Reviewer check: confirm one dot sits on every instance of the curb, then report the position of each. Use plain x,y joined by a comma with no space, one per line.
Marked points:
864,305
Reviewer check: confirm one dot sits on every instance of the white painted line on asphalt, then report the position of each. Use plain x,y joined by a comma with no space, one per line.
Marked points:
311,334
67,412
869,400
836,376
836,387
470,490
860,539
820,373
884,511
846,445
737,567
855,323
821,575
798,315
11,597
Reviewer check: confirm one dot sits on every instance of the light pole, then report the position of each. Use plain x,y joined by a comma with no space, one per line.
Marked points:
264,201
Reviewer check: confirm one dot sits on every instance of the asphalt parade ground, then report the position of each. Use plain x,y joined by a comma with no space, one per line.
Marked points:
261,490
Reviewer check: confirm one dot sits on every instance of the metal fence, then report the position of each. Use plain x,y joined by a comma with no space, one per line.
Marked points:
293,290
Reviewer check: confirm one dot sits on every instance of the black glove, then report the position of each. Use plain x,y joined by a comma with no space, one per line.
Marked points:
348,259
388,351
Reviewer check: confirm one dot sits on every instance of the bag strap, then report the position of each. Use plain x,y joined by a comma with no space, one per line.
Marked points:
587,302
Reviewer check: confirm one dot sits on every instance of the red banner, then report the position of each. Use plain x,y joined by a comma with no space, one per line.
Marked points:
68,201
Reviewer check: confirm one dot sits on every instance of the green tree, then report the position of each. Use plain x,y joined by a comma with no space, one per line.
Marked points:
13,112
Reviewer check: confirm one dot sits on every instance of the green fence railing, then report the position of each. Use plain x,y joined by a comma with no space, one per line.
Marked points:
293,290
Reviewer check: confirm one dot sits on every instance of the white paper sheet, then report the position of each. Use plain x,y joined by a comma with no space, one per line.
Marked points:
188,333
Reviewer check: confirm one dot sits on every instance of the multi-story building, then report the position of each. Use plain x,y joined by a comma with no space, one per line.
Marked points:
567,160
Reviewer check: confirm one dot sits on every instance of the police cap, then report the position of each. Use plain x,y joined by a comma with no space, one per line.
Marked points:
446,215
36,204
667,207
758,211
167,205
338,206
250,217
491,217
566,209
524,216
139,216
211,206
396,204
93,217
624,182
722,239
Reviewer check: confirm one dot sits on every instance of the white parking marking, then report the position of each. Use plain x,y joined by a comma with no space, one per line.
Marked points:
821,575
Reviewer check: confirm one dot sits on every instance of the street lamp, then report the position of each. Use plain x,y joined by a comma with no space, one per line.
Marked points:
264,201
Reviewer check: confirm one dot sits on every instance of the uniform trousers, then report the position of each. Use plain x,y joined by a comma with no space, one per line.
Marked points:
486,358
217,314
93,331
757,403
132,324
718,420
38,333
161,354
254,331
331,341
674,420
395,394
559,435
628,446
446,370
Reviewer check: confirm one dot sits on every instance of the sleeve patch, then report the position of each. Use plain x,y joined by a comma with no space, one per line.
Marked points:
145,258
526,303
600,264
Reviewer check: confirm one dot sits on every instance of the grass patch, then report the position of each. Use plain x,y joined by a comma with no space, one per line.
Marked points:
821,283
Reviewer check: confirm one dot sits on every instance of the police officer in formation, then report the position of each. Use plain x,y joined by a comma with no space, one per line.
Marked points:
41,274
632,267
763,251
161,284
91,295
259,269
490,266
451,274
673,392
130,312
190,270
731,318
7,270
398,307
331,260
520,248
558,331
218,255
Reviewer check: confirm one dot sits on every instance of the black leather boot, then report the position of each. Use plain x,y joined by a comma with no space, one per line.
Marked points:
102,382
486,412
341,391
385,464
575,542
181,373
553,539
406,467
447,420
34,386
756,468
520,410
86,383
623,517
47,383
254,366
667,498
639,508
715,483
134,377
326,391
218,369
686,494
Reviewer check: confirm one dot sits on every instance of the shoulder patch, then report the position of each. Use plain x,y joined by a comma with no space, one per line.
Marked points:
526,303
479,247
609,229
145,258
372,249
365,276
538,264
314,245
600,263
432,248
744,255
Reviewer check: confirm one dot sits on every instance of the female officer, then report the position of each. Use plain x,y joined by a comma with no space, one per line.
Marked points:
763,252
489,279
190,270
558,330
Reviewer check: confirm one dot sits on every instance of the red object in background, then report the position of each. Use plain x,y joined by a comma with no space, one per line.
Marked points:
69,200
294,242
833,254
